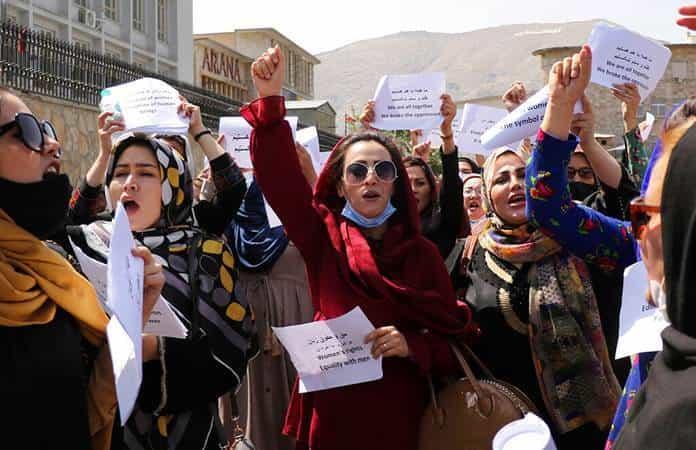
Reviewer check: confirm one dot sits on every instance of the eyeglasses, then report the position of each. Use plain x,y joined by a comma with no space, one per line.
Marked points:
585,172
640,216
357,172
472,191
31,131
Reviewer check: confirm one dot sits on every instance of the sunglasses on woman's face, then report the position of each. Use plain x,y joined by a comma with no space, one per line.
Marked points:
640,216
31,131
357,172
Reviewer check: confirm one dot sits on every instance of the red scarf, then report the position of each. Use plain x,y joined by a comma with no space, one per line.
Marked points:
428,304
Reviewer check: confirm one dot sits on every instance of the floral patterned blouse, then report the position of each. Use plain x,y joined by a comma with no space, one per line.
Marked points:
588,234
637,160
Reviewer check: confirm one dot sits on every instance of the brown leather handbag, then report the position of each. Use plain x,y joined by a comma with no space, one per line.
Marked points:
467,414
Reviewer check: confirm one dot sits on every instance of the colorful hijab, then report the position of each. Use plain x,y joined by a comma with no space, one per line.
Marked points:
565,333
380,274
199,268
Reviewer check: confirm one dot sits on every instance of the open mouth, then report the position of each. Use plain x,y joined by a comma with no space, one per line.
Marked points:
53,169
473,205
370,195
130,205
517,200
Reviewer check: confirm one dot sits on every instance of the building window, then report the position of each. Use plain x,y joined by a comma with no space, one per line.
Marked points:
81,3
139,15
111,10
658,109
162,20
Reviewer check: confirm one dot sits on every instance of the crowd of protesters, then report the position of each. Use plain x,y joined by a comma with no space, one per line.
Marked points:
520,254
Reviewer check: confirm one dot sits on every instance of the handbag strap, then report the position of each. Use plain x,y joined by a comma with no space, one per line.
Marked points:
467,370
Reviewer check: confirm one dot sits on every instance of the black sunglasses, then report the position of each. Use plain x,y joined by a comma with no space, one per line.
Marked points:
31,131
585,172
357,172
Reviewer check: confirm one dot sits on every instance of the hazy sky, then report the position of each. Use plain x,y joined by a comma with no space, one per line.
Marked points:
321,25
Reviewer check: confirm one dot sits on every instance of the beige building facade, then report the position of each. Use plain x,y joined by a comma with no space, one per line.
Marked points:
251,43
222,70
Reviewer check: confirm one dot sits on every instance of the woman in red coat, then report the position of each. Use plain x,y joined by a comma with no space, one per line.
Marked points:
359,235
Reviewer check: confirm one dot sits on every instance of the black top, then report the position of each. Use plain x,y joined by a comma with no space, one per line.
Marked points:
614,202
43,386
442,222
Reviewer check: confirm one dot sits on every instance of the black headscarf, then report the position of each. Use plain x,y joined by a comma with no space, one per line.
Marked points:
663,415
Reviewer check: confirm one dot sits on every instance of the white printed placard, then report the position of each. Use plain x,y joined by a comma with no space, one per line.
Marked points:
407,102
434,135
622,56
237,132
125,296
147,105
476,120
331,353
640,324
523,122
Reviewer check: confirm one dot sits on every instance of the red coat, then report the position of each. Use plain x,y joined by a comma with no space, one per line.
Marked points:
403,284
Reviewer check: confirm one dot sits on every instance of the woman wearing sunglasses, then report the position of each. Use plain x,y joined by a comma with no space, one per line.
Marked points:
358,234
440,208
56,380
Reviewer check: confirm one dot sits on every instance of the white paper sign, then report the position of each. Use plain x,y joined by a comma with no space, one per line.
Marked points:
434,135
162,322
407,102
522,122
640,323
147,105
476,120
331,353
323,157
621,56
646,126
237,132
125,295
309,138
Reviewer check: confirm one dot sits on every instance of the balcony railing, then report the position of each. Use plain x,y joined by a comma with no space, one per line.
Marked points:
35,62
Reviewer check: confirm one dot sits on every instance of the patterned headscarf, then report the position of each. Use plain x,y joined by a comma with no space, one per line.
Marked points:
193,262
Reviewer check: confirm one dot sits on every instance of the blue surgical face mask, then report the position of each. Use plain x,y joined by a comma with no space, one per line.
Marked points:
364,222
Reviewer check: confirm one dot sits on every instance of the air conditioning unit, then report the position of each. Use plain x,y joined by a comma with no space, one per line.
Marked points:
91,17
87,17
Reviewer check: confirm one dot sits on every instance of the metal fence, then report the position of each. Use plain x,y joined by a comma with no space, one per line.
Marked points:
36,62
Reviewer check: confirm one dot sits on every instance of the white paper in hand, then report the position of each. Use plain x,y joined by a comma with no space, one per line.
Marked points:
162,322
406,102
147,105
237,132
646,126
640,323
522,122
621,56
476,120
125,295
331,353
309,138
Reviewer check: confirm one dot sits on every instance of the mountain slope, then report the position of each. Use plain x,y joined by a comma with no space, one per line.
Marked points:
477,63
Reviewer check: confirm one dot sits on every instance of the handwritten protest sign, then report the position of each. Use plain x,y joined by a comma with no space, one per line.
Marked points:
146,105
309,138
405,102
331,353
125,295
476,120
162,322
640,323
237,132
621,56
522,122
